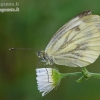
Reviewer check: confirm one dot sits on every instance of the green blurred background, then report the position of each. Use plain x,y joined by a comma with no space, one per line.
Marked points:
33,26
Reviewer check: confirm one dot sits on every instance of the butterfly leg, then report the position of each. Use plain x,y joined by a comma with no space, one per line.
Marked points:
38,63
47,74
52,69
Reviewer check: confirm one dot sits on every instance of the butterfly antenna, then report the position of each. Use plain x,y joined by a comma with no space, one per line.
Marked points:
22,49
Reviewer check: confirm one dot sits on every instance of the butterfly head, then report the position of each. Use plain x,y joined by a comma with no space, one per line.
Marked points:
41,55
44,57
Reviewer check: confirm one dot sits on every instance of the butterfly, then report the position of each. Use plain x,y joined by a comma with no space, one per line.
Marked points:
75,44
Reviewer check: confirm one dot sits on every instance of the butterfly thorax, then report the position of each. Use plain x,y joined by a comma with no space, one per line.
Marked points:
45,58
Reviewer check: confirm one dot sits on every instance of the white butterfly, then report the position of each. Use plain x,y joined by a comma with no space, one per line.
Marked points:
76,44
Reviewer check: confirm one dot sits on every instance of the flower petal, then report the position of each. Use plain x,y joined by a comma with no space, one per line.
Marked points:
46,79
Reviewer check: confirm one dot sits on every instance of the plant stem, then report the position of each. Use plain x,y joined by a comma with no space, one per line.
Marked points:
72,74
85,74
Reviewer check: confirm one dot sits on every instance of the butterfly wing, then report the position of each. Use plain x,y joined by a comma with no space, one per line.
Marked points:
69,25
77,42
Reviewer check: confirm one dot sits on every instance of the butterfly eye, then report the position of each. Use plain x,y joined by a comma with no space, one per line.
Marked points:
38,54
41,59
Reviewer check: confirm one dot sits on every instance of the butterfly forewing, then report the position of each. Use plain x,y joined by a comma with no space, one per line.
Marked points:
77,43
69,25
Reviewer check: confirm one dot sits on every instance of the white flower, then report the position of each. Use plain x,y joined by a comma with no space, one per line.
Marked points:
47,79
